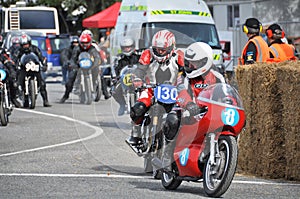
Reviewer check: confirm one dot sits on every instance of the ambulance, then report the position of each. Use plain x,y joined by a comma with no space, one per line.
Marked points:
189,20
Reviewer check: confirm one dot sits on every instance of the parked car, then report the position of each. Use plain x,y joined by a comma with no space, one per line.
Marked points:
50,45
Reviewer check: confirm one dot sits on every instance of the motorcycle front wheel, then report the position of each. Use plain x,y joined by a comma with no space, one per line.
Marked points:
97,90
32,94
3,114
169,181
217,178
87,90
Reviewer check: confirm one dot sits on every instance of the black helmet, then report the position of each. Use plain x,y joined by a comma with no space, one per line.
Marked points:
275,31
252,25
24,40
74,39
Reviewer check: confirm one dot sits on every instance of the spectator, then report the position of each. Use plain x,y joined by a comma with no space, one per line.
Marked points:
256,49
279,50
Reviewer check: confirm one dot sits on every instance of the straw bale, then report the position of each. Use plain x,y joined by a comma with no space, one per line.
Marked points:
289,84
263,147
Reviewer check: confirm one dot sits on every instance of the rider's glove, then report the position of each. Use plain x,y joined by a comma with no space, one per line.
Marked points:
44,68
192,108
114,81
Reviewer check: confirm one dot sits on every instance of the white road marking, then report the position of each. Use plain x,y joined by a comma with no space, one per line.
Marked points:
108,175
98,131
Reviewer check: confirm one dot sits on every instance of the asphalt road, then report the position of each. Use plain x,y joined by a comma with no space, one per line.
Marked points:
78,151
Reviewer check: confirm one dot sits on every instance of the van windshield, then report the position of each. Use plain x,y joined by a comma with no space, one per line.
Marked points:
185,33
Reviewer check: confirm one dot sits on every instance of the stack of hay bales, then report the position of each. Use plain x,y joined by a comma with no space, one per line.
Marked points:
270,146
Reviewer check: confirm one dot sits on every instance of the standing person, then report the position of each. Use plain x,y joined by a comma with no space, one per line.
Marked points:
129,56
256,49
85,45
27,47
279,51
199,72
65,57
163,63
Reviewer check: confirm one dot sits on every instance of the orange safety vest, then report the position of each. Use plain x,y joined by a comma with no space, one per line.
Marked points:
262,50
282,52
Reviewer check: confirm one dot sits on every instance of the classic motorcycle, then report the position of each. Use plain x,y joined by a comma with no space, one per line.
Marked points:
151,128
29,88
5,105
90,90
206,144
130,83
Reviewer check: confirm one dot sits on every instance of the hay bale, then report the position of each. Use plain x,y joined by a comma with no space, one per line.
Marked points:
288,76
261,144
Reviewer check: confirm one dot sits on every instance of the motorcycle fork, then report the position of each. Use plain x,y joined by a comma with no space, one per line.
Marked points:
211,148
6,96
154,128
26,85
36,85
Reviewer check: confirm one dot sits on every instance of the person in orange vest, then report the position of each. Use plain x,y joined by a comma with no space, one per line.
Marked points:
279,51
256,49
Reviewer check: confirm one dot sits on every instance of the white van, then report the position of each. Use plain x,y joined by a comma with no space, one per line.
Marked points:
189,20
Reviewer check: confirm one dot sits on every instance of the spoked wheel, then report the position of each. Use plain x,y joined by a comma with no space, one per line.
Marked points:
217,178
97,90
169,180
3,114
32,94
88,91
81,94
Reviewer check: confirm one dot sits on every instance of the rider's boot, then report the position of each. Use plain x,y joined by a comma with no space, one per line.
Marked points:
104,89
167,157
45,99
135,138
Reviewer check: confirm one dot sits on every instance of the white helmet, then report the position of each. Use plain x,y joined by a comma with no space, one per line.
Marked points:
127,46
163,45
86,31
198,58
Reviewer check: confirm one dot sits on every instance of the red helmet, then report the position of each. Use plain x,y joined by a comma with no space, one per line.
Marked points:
163,45
15,40
85,41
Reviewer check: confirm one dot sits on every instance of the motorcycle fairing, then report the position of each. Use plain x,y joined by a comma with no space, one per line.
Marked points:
85,63
2,74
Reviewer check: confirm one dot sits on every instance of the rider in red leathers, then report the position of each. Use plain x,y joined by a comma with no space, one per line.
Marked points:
161,63
199,72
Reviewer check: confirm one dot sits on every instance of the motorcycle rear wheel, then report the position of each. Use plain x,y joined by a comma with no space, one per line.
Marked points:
217,178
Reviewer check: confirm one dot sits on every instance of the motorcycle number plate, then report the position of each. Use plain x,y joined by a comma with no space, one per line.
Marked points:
127,79
85,63
166,93
184,156
230,116
31,66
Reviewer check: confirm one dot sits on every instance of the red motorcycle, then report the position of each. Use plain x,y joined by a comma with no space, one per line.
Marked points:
206,145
